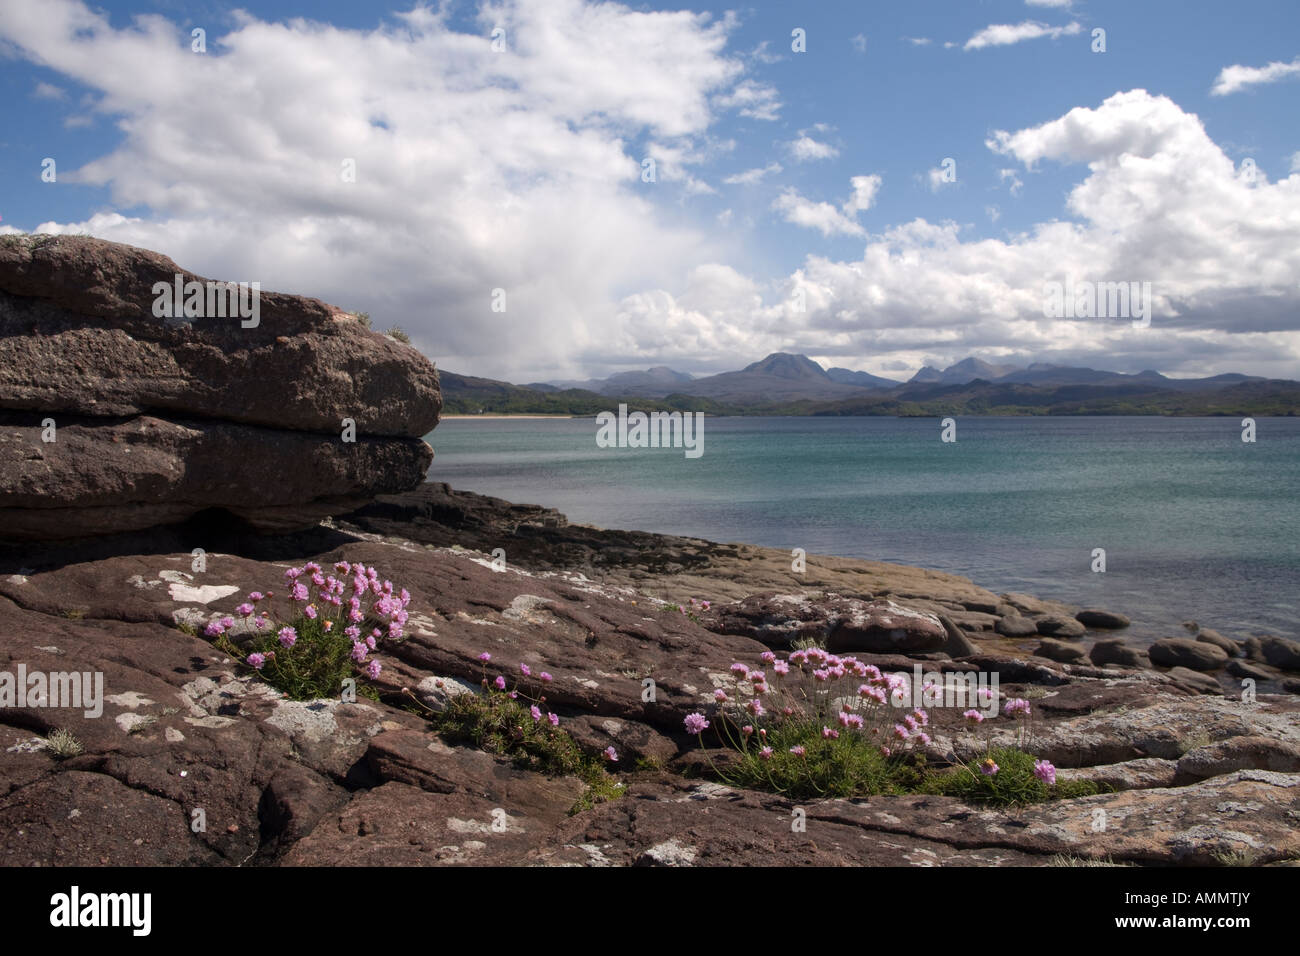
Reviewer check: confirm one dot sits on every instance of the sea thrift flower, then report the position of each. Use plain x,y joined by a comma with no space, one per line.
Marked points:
256,661
536,712
546,677
611,754
768,657
855,721
828,734
988,767
359,652
500,683
921,717
924,738
798,751
485,657
555,721
256,596
696,723
747,730
901,732
765,753
720,696
353,632
373,670
244,609
523,669
227,622
288,636
1045,772
740,670
788,711
299,592
755,707
214,629
1016,706
781,667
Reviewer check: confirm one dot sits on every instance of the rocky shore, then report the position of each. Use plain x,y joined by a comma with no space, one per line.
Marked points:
158,508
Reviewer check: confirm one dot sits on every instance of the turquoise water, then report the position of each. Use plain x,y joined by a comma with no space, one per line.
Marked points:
1195,523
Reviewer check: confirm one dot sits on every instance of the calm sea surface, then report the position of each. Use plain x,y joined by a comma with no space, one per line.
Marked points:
1195,523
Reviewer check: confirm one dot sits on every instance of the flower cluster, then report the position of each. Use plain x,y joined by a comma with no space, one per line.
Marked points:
837,693
323,611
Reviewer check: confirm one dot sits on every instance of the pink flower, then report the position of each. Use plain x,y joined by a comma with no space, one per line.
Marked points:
227,622
855,721
546,677
1016,706
885,751
1045,772
370,642
765,753
611,754
536,712
921,717
798,751
310,611
214,629
974,716
359,652
555,721
761,688
747,730
499,683
757,677
901,732
523,669
485,657
696,723
256,661
373,670
720,696
781,667
828,734
768,657
924,738
822,675
256,596
740,670
755,707
244,610
288,636
988,767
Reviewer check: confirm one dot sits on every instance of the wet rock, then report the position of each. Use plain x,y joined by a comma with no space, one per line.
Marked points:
1094,617
1060,651
1113,650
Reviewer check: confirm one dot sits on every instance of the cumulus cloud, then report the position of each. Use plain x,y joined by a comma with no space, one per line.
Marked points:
48,91
805,149
1012,177
822,216
475,170
1005,34
1063,4
755,100
1234,79
865,189
1159,201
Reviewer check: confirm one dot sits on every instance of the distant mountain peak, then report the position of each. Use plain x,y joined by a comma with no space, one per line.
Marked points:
789,365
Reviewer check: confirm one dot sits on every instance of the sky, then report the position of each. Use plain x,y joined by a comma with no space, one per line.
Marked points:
877,185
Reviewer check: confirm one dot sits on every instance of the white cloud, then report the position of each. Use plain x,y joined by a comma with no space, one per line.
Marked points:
865,189
821,216
806,149
1158,201
918,41
993,212
860,42
1295,162
755,100
1013,177
936,181
1233,79
1004,34
1061,4
48,91
752,176
475,170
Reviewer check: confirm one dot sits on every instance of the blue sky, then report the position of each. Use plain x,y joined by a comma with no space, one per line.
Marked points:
780,175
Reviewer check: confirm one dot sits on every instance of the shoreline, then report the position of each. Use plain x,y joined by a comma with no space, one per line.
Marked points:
445,418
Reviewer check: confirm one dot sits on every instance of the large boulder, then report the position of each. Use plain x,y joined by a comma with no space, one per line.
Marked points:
840,623
116,419
1281,652
1186,652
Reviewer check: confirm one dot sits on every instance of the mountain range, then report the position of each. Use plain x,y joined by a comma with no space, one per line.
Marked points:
787,383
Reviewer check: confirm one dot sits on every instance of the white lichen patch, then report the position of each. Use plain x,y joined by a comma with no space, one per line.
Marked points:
585,682
138,581
528,608
594,855
130,700
17,579
671,853
131,722
48,648
202,594
173,736
29,746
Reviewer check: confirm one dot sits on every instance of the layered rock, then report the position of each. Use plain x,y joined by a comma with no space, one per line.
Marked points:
157,418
